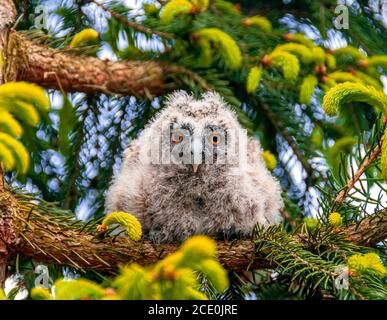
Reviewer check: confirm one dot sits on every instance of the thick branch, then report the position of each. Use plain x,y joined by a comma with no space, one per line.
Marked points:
87,252
47,67
369,231
49,243
9,210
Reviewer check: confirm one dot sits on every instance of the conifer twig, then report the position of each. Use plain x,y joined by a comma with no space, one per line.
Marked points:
132,24
285,214
366,163
289,139
173,69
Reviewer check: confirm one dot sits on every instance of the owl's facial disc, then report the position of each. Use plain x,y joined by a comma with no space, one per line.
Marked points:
194,143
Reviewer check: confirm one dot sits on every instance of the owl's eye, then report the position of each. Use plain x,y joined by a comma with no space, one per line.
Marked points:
215,139
177,137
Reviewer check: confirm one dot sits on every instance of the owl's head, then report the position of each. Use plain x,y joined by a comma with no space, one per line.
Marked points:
196,135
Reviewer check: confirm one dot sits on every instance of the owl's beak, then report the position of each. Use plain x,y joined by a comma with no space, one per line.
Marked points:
196,152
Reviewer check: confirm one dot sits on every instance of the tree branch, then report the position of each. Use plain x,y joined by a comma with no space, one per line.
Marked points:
366,163
8,230
56,69
132,24
172,69
369,231
44,240
44,66
289,220
288,138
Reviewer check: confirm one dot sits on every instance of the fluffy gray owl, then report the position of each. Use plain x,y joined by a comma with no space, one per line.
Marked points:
186,174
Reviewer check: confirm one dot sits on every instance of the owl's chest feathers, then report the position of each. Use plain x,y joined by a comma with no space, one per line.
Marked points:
193,195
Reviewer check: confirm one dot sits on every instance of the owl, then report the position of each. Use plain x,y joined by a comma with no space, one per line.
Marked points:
193,170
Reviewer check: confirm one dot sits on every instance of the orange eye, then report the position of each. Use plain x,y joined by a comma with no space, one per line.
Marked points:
215,139
177,137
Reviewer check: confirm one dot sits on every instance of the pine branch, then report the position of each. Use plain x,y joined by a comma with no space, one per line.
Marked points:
9,209
289,220
285,134
132,24
57,69
8,231
74,168
370,230
193,75
45,238
44,66
366,163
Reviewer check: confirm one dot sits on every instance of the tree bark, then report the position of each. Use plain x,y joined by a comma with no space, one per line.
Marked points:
7,19
86,252
369,231
59,69
9,238
7,234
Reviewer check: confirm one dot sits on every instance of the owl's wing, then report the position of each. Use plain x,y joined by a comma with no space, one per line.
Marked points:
254,151
126,192
266,187
132,153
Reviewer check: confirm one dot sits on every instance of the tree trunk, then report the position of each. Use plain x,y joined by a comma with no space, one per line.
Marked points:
7,235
